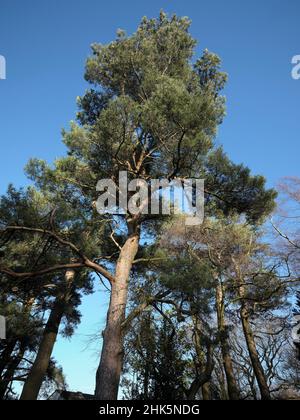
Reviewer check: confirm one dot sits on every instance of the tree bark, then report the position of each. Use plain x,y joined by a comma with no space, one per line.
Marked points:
233,390
249,337
205,362
222,379
38,371
206,392
253,353
111,363
250,341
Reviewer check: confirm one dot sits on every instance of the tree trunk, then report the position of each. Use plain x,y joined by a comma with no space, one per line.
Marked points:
205,361
111,363
222,379
6,355
9,363
233,390
38,371
10,371
250,341
206,392
11,342
257,366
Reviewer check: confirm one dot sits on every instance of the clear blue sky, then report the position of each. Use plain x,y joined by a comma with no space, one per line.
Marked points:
46,43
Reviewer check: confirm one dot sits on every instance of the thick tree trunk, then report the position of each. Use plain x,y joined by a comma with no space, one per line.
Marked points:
38,371
257,366
233,390
110,367
206,392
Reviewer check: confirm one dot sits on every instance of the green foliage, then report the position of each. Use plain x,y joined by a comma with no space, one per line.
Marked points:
157,361
235,190
154,111
151,111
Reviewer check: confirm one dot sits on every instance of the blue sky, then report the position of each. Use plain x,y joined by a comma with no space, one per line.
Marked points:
46,43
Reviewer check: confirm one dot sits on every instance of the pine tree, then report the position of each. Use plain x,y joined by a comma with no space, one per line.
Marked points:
28,299
154,114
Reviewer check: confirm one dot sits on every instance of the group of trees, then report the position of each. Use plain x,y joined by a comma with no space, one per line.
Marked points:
226,318
195,312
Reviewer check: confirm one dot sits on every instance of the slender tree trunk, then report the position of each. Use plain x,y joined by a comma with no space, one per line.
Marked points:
147,375
38,371
252,384
205,362
146,384
10,371
233,390
256,364
111,363
11,342
6,355
249,337
9,363
250,341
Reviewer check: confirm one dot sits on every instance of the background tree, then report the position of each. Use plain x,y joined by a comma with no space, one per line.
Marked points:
246,278
27,250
